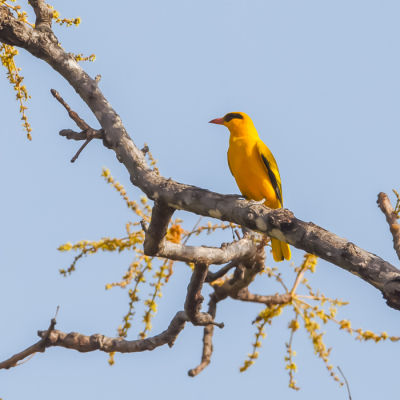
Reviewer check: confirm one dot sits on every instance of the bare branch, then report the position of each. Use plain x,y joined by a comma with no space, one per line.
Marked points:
391,218
213,276
245,272
84,344
238,274
194,298
280,223
83,135
207,339
72,114
245,295
145,150
155,234
347,383
38,347
87,133
208,255
44,15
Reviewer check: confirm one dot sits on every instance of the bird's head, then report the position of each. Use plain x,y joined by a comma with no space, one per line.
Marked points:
234,121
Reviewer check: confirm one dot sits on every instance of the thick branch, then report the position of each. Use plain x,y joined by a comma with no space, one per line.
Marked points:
84,344
100,342
391,218
245,272
194,298
208,255
44,15
280,224
160,217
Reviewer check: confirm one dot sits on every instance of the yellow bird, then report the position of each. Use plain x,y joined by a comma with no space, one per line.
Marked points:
254,168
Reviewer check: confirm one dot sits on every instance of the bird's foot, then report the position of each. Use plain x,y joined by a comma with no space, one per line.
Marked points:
257,202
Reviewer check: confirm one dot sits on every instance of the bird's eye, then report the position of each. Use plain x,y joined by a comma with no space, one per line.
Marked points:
230,116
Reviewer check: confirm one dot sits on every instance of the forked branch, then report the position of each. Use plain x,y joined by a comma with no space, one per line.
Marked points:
391,218
38,347
280,224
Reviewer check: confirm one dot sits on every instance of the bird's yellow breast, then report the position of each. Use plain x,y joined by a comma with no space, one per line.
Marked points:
249,171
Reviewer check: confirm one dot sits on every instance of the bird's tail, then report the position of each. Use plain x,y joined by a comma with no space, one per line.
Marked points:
280,250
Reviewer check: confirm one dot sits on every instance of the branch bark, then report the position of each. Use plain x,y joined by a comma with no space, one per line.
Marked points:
155,234
245,295
84,344
391,218
207,339
208,255
280,224
194,298
213,276
38,347
44,15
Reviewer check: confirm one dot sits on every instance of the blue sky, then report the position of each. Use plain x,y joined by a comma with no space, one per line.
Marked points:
320,80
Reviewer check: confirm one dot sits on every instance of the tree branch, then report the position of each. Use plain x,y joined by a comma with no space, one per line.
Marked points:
246,270
208,255
391,218
194,298
245,295
280,224
207,339
87,133
213,276
84,344
38,347
44,15
155,234
100,342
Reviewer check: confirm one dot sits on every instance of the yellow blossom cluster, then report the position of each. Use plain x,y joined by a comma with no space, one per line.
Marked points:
133,205
8,53
291,366
153,161
309,313
264,317
80,57
66,21
139,269
324,308
161,279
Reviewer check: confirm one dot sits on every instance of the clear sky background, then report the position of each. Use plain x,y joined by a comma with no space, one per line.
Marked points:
320,80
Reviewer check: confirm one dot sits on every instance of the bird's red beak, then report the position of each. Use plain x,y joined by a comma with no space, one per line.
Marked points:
218,121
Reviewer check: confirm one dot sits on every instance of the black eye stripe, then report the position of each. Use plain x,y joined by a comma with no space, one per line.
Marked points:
230,116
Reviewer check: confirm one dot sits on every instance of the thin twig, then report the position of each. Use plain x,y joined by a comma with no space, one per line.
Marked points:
87,130
40,346
347,384
73,115
23,362
237,234
197,224
73,159
391,218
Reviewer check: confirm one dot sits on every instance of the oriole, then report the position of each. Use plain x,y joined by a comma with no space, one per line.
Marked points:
254,168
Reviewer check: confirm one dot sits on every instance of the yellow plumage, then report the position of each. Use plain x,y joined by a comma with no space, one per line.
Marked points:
254,169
